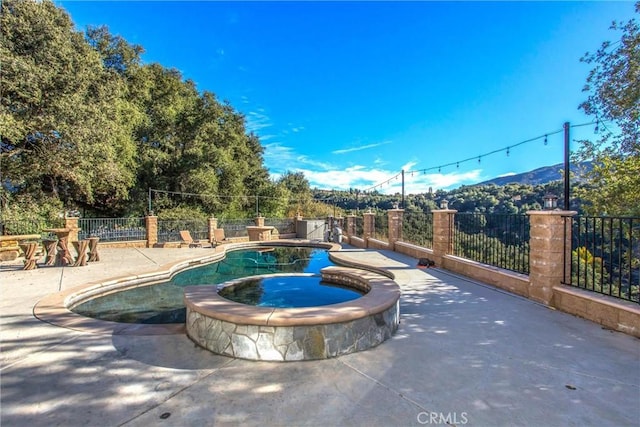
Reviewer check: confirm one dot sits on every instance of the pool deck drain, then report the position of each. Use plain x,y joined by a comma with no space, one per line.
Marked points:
464,353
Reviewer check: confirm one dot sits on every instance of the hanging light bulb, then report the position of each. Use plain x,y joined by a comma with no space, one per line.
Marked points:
508,151
479,158
458,165
545,140
597,126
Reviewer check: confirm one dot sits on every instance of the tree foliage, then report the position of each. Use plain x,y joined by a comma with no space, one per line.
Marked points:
87,125
613,86
61,123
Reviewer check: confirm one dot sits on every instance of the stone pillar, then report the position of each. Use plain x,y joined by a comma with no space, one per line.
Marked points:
550,236
443,223
350,229
260,221
395,225
72,223
368,227
211,226
151,224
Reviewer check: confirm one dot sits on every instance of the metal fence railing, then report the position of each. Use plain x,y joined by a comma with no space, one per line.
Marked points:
417,228
605,256
381,226
169,229
28,226
498,240
235,227
112,229
283,225
359,226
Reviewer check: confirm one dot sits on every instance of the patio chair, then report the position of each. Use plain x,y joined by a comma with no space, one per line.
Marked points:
185,235
218,236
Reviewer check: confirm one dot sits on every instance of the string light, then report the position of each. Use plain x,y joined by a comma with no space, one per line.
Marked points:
507,149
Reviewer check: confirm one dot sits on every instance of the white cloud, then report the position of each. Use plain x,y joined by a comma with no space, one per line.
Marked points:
364,179
407,167
343,179
362,147
507,174
279,157
276,154
256,121
420,182
267,137
304,160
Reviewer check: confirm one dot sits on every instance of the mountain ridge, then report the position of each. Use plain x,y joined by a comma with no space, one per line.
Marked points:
542,175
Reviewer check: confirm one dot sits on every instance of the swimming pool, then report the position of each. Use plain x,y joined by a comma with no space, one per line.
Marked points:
162,303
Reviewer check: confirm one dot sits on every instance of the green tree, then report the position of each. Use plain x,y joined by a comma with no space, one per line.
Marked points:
63,122
613,86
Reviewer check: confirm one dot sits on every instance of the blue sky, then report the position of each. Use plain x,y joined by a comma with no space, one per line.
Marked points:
351,93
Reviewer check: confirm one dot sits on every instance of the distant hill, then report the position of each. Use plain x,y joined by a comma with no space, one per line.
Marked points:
542,175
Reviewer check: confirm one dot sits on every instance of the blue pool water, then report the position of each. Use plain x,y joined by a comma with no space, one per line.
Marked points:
288,292
163,302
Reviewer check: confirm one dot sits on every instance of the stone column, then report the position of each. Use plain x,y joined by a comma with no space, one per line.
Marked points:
443,223
72,223
212,225
350,229
395,225
368,227
550,237
151,224
260,221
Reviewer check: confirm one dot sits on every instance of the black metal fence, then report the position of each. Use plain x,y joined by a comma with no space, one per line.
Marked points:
605,256
283,225
417,228
28,226
112,229
381,226
169,229
235,227
498,240
359,226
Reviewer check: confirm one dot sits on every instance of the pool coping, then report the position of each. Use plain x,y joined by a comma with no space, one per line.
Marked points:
53,308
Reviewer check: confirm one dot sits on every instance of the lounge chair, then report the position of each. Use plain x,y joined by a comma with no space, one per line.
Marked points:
218,236
185,235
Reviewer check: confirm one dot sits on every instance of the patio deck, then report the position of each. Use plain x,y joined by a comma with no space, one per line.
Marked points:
465,353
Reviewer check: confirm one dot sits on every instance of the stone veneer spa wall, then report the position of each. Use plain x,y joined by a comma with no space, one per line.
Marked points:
289,334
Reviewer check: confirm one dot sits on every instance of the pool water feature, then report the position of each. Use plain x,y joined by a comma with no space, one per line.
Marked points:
290,291
162,303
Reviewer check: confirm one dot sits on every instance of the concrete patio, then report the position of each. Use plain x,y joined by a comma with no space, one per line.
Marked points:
465,353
